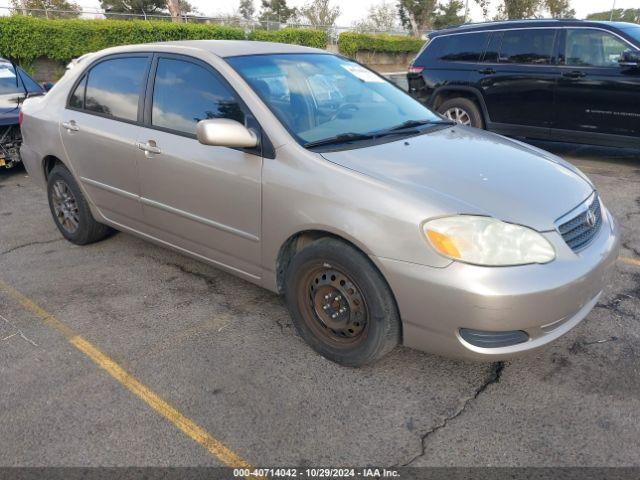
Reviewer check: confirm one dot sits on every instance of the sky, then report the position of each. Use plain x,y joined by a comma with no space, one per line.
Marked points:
354,10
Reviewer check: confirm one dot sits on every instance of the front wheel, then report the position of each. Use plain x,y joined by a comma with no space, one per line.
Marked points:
340,304
462,111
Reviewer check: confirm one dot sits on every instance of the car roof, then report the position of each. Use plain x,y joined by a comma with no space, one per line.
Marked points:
509,24
227,48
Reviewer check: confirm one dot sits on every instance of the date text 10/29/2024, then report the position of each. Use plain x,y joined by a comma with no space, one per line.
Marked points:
329,473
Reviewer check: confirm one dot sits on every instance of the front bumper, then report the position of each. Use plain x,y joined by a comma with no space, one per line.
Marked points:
545,301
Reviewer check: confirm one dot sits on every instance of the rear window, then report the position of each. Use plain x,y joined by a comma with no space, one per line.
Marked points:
455,48
532,46
114,87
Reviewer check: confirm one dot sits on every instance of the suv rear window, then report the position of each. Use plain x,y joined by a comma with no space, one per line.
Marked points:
531,46
454,48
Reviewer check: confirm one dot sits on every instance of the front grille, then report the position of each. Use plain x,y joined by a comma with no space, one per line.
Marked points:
582,228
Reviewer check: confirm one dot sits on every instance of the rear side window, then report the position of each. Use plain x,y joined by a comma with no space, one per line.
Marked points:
455,48
114,87
185,93
533,46
76,100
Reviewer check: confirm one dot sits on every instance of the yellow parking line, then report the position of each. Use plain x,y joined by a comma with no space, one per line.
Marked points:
630,261
184,424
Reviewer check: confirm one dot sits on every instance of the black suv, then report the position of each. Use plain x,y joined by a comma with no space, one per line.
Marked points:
568,80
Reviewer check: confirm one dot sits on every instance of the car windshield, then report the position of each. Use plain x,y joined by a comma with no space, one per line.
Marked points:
322,96
9,83
634,32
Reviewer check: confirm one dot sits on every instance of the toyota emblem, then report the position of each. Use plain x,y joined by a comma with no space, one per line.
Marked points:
591,219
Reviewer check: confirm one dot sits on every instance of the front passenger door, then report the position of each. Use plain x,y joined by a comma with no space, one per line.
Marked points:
204,199
596,95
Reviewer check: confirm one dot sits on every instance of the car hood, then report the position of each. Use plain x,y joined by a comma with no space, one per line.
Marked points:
463,170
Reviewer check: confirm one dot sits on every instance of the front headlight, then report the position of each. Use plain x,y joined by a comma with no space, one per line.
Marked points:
487,241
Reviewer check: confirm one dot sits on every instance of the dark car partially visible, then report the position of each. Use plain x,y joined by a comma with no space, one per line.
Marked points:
15,86
563,80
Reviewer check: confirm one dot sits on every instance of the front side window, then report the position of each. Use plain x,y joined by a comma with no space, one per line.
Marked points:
593,48
457,48
185,93
532,46
114,87
320,96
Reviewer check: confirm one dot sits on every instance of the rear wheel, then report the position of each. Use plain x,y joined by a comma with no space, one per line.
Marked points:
462,111
340,304
70,209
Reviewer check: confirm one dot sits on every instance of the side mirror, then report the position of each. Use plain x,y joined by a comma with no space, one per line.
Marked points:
630,58
47,86
224,132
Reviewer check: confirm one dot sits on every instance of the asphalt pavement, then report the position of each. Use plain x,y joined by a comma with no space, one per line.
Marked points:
200,348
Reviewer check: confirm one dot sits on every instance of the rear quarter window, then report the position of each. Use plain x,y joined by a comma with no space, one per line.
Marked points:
466,47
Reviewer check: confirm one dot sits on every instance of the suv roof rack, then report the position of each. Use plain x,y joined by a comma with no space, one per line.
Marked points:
521,20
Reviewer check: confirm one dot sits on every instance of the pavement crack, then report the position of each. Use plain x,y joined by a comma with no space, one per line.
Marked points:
29,244
495,373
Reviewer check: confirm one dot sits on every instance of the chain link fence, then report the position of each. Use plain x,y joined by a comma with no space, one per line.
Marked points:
228,20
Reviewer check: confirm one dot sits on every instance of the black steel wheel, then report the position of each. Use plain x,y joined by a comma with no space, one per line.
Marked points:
341,304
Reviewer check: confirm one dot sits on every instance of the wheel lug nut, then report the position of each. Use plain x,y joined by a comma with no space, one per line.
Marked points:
338,298
335,315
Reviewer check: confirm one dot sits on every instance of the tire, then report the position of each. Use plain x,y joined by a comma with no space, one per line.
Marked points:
328,276
468,107
70,209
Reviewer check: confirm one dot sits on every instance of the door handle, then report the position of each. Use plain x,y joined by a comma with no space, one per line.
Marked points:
575,74
487,71
71,126
149,147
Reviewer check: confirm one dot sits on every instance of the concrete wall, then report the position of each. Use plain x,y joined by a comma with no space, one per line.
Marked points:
46,70
381,62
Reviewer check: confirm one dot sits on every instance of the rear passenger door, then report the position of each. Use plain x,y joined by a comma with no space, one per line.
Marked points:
99,129
519,75
204,199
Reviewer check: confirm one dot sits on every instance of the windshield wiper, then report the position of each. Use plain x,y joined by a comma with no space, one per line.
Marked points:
342,138
417,123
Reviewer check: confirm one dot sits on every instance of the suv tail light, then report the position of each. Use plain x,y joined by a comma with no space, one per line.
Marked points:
413,69
20,117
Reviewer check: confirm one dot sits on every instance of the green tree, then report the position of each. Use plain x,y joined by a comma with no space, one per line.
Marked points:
381,18
277,11
417,15
560,8
619,14
517,9
320,13
134,7
47,8
247,9
448,14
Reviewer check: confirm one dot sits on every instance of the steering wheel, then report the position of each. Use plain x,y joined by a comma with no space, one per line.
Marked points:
345,108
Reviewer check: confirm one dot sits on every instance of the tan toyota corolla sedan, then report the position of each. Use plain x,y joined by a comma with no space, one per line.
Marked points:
310,175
